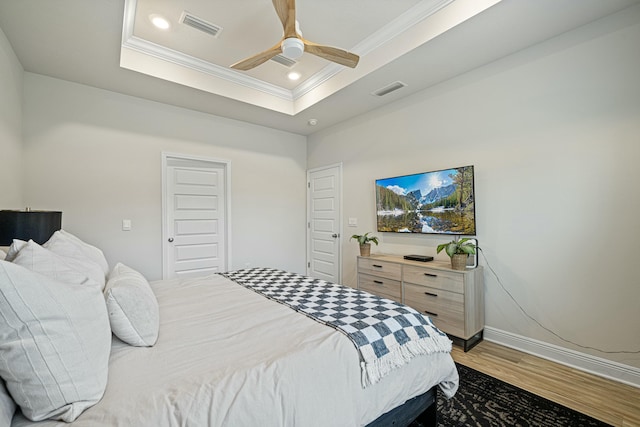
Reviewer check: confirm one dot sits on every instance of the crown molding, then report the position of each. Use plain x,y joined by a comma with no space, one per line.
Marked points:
130,41
405,21
393,29
152,49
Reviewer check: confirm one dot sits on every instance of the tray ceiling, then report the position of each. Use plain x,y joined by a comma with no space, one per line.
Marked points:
412,44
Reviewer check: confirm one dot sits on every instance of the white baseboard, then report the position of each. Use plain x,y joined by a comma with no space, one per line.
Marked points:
585,362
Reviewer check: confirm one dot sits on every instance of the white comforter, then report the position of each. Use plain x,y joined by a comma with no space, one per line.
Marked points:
227,356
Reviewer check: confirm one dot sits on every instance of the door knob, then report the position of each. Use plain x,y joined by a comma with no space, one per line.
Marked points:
170,239
335,236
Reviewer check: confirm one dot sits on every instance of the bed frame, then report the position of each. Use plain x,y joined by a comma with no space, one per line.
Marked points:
422,408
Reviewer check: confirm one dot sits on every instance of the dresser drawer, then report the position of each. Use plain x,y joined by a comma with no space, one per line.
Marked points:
386,288
445,308
390,270
433,278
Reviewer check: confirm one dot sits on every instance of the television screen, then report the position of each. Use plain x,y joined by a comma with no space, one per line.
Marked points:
438,202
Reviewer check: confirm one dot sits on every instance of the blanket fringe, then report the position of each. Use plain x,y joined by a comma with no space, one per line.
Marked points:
374,370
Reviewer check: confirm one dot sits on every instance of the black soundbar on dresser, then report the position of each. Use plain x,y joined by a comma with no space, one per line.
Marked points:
423,258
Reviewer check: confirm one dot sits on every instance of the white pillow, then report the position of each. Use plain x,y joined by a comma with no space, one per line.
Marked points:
90,251
14,249
3,254
55,343
36,258
70,249
7,406
132,307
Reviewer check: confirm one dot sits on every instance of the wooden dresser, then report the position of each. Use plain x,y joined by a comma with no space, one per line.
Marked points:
453,299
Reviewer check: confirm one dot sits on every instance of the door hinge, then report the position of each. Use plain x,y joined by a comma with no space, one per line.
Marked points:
308,264
309,225
308,185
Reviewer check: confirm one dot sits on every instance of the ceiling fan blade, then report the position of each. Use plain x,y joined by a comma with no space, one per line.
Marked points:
257,59
333,54
286,10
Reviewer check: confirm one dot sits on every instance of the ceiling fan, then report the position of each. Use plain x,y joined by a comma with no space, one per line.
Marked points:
292,45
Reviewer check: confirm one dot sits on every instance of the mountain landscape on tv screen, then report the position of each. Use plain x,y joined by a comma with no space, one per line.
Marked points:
431,202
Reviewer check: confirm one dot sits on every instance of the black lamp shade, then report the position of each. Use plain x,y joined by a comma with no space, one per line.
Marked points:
38,226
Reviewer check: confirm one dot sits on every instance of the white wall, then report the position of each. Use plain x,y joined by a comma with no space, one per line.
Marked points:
96,155
554,134
10,126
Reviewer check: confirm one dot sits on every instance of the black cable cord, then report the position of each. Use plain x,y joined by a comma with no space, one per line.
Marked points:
540,324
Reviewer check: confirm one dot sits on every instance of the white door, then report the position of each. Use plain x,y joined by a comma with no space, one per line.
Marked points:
195,223
324,193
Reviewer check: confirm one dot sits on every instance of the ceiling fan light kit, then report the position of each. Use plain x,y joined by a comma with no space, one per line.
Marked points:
292,48
292,45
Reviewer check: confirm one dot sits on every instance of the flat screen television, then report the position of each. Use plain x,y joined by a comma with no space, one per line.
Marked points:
437,202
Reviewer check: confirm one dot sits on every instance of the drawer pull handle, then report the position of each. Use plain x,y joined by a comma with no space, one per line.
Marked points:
431,294
430,275
377,266
431,313
378,282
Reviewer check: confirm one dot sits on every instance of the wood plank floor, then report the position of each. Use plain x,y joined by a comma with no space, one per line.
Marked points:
609,401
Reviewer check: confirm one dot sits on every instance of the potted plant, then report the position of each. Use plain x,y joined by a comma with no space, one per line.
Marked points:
364,241
458,250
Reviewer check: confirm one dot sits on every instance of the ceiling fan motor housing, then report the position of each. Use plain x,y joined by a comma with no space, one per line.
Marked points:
292,47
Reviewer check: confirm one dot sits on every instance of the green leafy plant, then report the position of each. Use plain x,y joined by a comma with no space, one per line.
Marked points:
365,238
458,246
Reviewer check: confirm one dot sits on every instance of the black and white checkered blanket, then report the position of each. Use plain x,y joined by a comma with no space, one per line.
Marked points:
386,333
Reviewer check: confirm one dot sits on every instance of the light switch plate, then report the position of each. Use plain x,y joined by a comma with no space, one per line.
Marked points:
353,222
126,225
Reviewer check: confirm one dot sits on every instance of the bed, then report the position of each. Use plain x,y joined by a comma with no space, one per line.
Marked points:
226,355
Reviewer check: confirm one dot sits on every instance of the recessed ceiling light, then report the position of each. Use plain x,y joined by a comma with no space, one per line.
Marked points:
312,122
294,75
159,21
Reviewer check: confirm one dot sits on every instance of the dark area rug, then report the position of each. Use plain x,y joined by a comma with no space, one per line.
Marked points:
486,401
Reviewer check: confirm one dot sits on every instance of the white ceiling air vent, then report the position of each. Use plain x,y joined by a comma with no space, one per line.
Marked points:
388,88
200,24
283,60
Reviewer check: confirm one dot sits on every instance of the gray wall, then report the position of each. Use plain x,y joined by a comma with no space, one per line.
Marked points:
96,155
11,73
554,134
